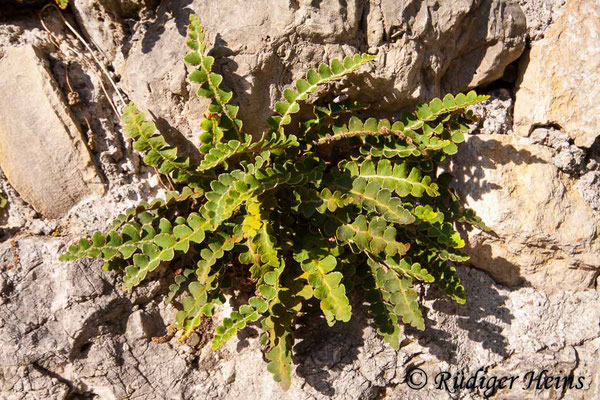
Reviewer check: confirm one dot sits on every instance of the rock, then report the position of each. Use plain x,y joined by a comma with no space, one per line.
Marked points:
81,341
568,157
140,326
547,232
423,49
589,187
103,23
559,78
41,148
495,114
68,331
539,15
158,84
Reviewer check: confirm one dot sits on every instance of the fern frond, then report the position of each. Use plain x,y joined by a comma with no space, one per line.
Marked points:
401,178
374,236
382,313
157,152
326,115
280,360
346,204
222,152
327,286
397,292
221,122
303,87
238,320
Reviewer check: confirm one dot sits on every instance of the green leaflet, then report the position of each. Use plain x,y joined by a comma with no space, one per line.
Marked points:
327,287
62,3
303,87
3,201
401,178
398,293
311,208
374,236
221,122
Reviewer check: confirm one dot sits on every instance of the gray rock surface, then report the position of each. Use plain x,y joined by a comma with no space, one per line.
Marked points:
539,15
423,48
67,331
42,151
568,157
495,114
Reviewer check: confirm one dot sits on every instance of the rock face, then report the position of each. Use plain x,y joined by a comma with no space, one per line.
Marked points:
558,87
68,332
539,15
103,22
423,48
547,232
41,148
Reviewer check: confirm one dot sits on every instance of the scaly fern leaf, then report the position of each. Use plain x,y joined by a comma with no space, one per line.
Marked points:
346,204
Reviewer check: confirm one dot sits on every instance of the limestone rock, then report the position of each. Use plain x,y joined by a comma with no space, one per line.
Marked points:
423,48
559,83
68,332
539,15
103,22
568,157
41,148
547,232
495,114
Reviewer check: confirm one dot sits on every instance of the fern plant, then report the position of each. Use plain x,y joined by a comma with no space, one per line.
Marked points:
342,203
3,201
62,3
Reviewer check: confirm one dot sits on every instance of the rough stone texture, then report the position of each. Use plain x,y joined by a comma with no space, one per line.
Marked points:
495,114
539,15
104,23
65,331
68,332
588,187
568,157
423,49
547,232
557,86
41,148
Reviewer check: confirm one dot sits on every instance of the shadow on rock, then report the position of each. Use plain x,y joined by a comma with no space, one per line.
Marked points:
482,317
321,348
476,155
176,9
